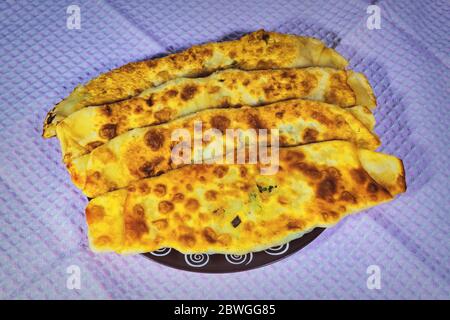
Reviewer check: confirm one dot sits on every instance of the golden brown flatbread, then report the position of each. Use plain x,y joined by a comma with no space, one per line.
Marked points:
145,152
233,209
90,127
257,50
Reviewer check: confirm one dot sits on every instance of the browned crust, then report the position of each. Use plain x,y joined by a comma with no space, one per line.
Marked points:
257,50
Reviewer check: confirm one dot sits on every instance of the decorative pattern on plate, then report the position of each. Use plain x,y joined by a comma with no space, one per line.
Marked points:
278,250
196,260
161,252
223,263
239,259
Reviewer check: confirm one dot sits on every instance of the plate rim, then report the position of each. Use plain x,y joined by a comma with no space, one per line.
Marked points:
313,235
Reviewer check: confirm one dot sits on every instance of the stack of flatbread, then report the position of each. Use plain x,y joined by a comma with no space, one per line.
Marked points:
117,141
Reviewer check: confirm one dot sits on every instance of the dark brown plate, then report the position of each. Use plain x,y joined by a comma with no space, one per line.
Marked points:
224,263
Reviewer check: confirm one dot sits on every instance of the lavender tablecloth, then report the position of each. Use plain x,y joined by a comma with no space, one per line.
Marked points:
42,227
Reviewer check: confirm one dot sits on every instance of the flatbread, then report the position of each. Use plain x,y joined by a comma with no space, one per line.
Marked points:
146,152
233,209
90,127
257,50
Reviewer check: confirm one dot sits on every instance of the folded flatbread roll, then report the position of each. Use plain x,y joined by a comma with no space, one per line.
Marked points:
146,152
257,50
90,127
232,209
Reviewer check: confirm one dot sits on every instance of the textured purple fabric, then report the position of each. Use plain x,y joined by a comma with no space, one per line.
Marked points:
42,227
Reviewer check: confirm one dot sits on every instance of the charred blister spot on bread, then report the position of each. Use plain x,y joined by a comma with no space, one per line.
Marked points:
136,228
308,170
279,114
152,63
144,188
338,88
294,156
160,224
178,197
138,211
269,91
254,121
333,172
233,54
359,175
138,109
163,76
327,188
329,215
93,177
348,197
165,206
320,117
310,135
108,131
150,101
154,139
339,77
160,190
283,200
289,74
149,168
127,68
203,217
243,171
245,186
94,213
288,86
194,54
220,122
189,187
163,115
377,191
106,110
211,195
220,171
188,92
192,204
340,121
249,226
309,82
295,224
266,64
209,235
102,241
372,187
224,239
187,240
171,93
213,89
186,217
265,36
